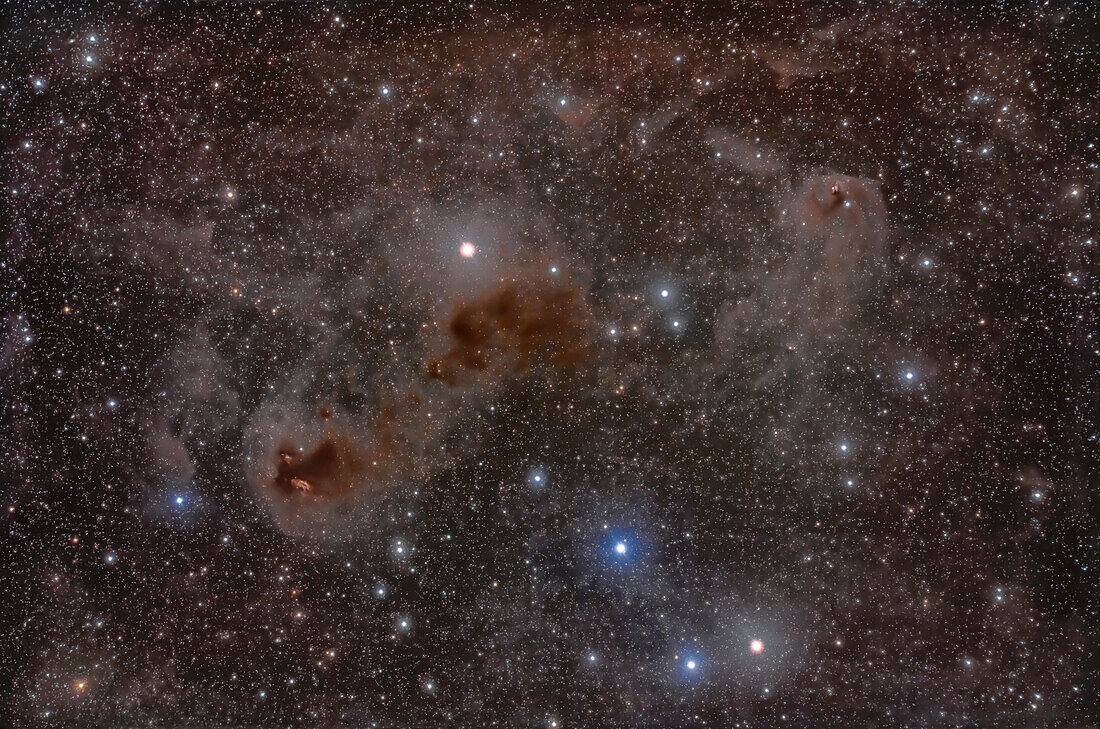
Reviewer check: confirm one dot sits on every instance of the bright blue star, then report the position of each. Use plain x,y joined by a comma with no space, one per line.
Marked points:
621,547
690,665
179,501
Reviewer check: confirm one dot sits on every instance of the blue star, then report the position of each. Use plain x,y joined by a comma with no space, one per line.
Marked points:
621,547
691,665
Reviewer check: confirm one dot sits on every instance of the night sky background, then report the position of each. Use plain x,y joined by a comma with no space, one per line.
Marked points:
726,365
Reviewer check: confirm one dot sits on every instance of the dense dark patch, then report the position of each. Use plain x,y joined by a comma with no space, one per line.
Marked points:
512,329
327,472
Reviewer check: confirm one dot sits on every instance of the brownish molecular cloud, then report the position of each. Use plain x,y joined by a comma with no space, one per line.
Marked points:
512,328
326,472
323,474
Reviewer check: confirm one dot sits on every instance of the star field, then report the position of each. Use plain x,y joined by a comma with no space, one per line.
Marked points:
550,365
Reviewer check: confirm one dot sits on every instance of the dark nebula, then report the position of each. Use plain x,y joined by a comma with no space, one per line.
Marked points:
837,225
327,472
326,475
512,328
